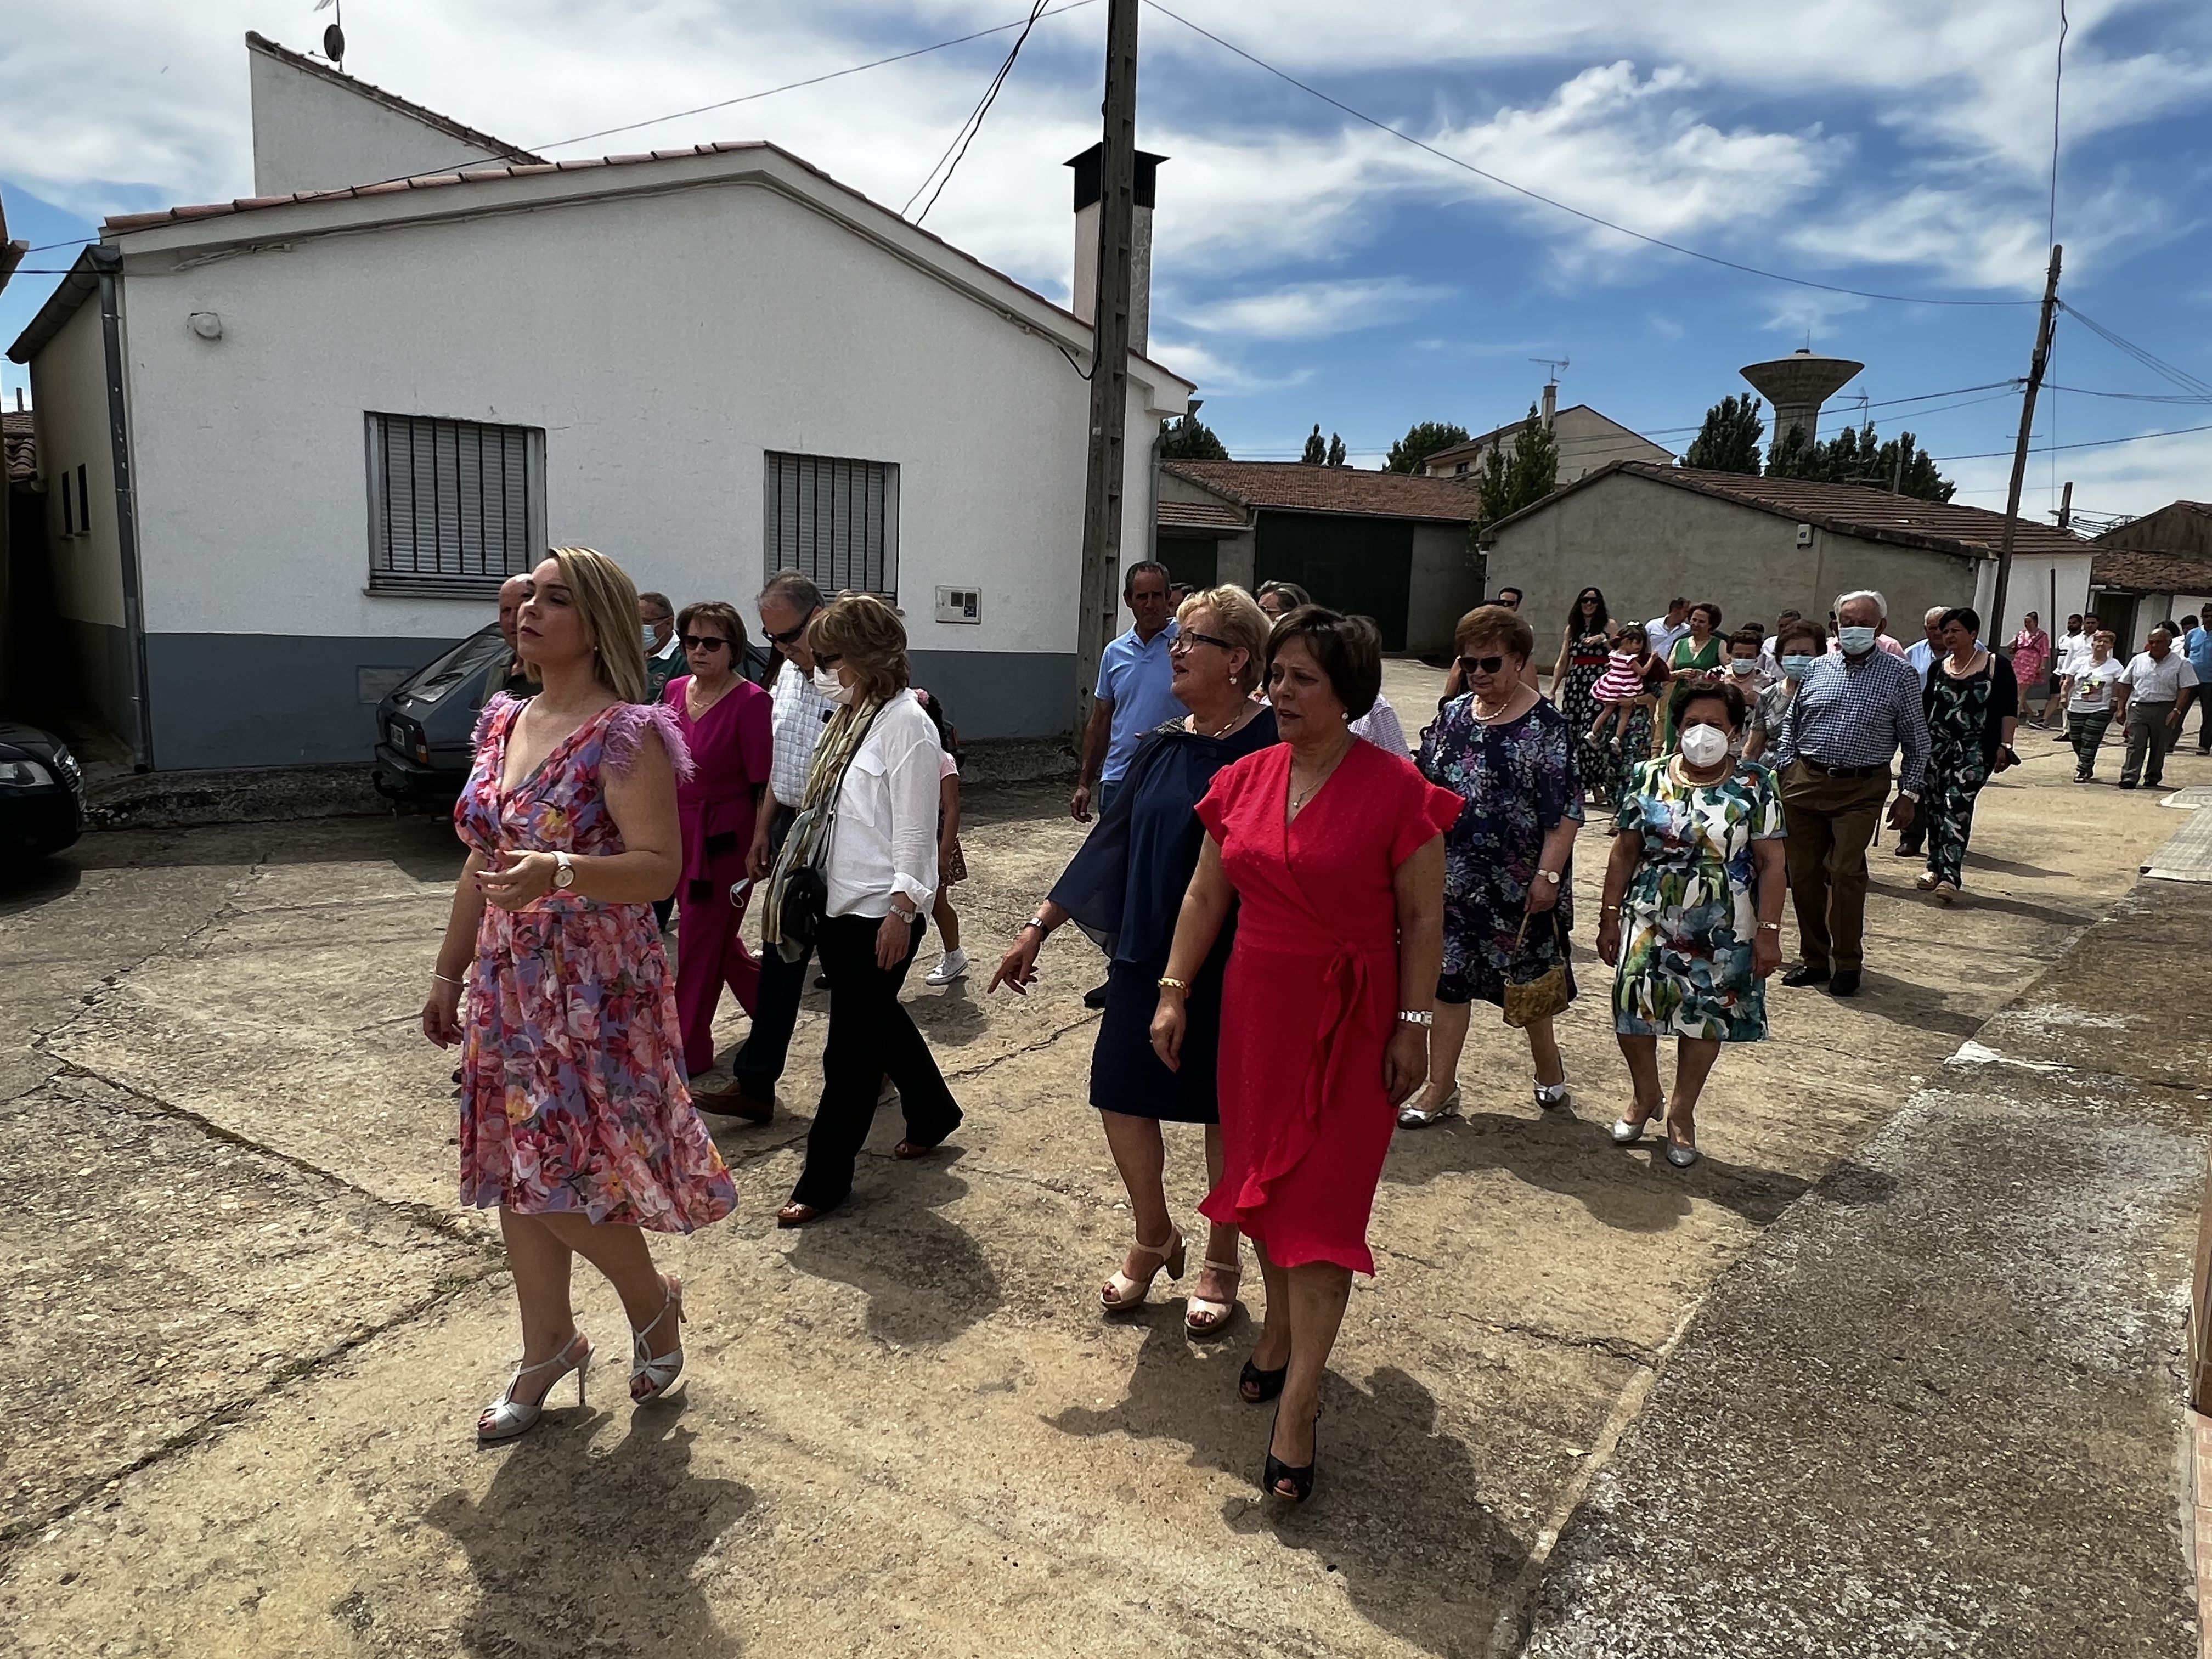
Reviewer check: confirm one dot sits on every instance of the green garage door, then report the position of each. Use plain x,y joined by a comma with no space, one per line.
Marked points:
1361,566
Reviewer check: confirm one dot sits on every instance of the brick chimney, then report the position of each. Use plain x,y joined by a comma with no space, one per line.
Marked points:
1083,295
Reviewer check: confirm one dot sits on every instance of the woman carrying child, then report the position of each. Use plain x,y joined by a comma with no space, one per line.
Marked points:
1627,696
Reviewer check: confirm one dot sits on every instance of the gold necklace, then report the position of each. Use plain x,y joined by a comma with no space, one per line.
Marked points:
1335,761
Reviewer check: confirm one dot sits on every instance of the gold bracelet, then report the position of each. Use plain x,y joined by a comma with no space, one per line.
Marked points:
1170,984
443,980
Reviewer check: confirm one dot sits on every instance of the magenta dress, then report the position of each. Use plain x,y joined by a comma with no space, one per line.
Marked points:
573,1097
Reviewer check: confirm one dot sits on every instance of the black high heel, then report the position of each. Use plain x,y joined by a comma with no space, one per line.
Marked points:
1277,1472
1257,1388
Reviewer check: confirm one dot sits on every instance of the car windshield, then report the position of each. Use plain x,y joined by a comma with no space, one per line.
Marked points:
464,662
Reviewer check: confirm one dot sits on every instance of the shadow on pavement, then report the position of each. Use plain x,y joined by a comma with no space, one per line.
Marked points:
38,881
578,1552
926,1279
1397,1508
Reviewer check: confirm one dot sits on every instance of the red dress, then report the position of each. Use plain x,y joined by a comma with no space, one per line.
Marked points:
1311,996
731,747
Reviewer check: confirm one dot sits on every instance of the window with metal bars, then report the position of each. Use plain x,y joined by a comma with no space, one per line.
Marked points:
453,506
835,520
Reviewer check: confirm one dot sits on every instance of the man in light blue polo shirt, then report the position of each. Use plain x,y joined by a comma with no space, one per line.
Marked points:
2196,646
1135,691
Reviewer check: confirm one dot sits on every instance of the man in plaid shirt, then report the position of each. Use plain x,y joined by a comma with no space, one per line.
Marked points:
797,714
1855,709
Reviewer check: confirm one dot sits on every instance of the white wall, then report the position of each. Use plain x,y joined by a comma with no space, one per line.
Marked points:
69,381
663,343
310,135
2029,588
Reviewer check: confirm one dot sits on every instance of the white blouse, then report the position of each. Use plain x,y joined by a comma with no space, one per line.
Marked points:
885,840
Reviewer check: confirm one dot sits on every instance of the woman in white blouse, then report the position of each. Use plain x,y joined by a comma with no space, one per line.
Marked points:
879,859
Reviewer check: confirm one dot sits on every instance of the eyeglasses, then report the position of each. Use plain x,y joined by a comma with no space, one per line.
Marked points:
791,635
705,642
1191,636
1481,665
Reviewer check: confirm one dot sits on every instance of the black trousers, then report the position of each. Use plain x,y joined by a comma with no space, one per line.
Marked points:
760,1062
871,1034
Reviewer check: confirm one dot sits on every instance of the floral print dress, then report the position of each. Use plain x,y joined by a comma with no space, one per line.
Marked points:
1519,779
573,1097
1689,917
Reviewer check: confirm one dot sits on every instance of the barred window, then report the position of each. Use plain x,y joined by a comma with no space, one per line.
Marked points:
837,520
453,506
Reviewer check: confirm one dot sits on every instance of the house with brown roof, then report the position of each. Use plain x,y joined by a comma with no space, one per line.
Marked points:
1585,438
1755,546
358,401
1380,545
2152,569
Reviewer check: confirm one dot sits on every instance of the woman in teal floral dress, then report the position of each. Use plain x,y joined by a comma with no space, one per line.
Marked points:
1693,910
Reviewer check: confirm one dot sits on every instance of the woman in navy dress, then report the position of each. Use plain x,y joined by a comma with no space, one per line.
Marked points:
1124,889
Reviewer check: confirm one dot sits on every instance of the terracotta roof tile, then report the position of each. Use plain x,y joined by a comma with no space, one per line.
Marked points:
1300,486
1198,515
2135,572
19,446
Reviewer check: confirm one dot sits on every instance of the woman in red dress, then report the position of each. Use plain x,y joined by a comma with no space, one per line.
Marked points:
724,718
1333,850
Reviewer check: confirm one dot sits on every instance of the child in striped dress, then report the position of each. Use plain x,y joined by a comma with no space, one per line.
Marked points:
1626,684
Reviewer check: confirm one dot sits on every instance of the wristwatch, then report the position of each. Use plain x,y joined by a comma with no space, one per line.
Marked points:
1552,876
564,874
1417,1016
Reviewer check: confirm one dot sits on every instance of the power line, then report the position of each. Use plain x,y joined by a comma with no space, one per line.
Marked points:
2086,443
2137,397
1553,201
972,125
2149,360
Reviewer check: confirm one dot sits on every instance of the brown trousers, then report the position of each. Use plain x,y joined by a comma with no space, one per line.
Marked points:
1830,821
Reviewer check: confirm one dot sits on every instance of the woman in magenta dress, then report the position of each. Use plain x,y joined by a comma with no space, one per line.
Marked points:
575,1119
1333,851
724,718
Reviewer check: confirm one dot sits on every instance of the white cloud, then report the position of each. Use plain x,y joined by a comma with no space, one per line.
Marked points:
1305,311
1218,376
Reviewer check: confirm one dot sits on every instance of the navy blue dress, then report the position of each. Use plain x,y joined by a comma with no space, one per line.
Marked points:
1124,888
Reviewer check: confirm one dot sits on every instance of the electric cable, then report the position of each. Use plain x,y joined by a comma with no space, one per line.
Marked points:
972,125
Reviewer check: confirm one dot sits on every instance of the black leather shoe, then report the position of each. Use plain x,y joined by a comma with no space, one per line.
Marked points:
1806,974
1095,996
1846,983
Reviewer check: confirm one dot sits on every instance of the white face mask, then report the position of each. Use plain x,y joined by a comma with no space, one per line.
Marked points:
829,685
1704,746
1742,665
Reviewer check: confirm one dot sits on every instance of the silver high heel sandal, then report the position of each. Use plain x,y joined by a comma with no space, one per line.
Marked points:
1411,1116
1121,1291
1679,1156
1550,1097
505,1418
660,1376
1625,1133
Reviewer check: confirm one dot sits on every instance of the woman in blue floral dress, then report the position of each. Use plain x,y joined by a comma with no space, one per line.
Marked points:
1693,910
1508,877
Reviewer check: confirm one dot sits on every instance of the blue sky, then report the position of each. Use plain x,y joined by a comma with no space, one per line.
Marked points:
1310,268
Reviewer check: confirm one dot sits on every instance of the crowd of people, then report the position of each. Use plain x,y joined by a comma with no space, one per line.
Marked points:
1298,909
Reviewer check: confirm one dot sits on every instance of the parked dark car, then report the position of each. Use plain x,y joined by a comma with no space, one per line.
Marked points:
41,792
424,724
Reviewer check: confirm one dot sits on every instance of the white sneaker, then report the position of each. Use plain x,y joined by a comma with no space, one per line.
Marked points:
953,965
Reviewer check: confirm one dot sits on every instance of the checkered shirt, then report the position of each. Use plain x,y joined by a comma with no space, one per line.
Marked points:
1858,713
797,713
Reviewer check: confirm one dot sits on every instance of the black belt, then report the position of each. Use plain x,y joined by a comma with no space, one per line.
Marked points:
1826,771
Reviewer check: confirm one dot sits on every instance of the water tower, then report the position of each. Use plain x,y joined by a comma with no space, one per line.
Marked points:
1797,387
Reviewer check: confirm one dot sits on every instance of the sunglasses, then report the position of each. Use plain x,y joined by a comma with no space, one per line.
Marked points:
1481,665
1191,636
705,642
790,634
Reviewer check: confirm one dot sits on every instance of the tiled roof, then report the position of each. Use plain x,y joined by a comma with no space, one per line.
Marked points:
1859,510
2149,572
392,100
1198,515
19,446
1300,486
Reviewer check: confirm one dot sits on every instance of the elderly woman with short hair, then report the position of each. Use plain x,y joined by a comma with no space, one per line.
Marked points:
1124,889
1509,874
874,779
1331,850
1693,910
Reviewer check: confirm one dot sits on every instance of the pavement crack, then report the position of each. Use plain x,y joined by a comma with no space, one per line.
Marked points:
967,1074
1636,1354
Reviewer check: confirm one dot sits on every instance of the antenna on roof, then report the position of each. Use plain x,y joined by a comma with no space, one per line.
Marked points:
1555,364
334,36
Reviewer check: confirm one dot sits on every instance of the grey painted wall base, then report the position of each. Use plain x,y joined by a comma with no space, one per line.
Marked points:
231,700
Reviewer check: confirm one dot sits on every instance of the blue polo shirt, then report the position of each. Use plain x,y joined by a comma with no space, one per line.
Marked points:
2198,649
1136,678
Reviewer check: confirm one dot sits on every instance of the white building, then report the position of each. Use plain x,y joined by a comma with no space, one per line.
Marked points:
344,414
1586,440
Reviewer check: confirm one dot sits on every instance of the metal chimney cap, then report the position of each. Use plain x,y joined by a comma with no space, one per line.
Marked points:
1087,168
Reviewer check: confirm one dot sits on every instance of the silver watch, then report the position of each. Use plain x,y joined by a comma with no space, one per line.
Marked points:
564,872
1417,1016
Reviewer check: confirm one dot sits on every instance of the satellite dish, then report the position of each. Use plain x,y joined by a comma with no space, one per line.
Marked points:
334,43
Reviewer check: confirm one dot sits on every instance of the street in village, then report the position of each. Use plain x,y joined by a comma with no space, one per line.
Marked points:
247,1327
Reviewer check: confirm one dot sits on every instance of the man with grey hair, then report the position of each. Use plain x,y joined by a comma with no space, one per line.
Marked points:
517,682
1854,710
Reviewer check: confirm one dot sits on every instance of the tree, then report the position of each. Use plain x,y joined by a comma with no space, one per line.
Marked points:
1189,439
1729,441
1335,450
1856,456
1423,439
1513,479
1316,452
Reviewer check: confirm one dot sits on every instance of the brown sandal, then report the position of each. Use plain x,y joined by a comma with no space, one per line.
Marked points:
795,1214
906,1152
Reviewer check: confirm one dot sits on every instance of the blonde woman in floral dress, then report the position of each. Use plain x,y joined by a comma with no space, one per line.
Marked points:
1693,910
576,1121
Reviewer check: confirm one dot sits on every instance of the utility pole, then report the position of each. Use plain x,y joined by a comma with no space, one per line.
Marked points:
2035,367
1109,356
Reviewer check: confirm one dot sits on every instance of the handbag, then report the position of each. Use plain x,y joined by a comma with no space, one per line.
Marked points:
805,905
1546,995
